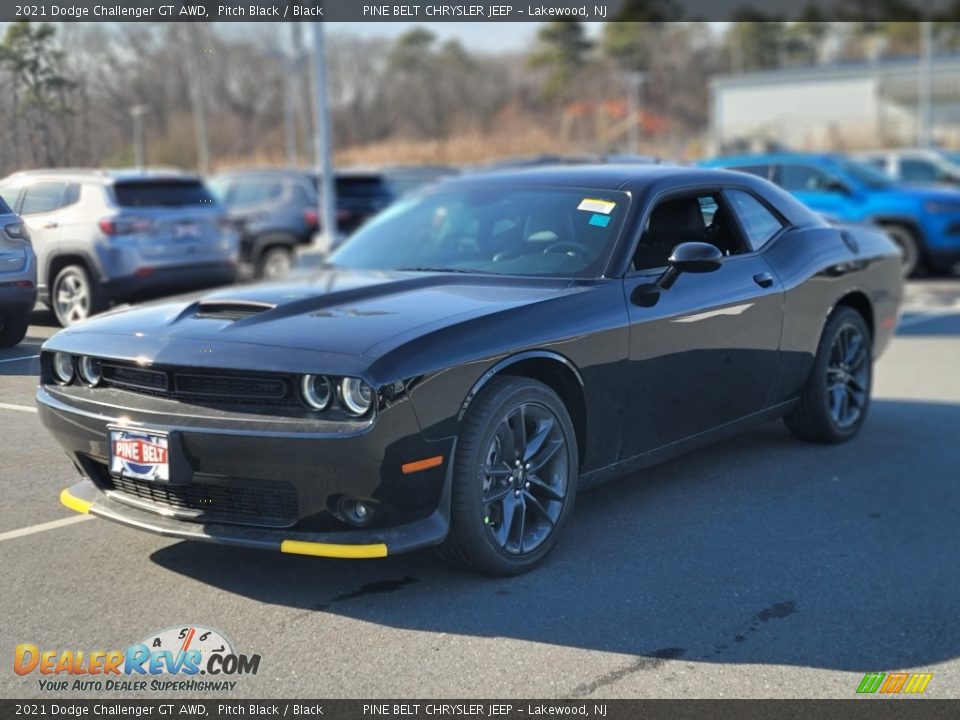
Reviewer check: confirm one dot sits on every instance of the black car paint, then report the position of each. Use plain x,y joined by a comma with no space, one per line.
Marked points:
642,382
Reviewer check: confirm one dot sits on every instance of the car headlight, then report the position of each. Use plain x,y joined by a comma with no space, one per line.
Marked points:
63,367
356,395
316,391
941,207
90,370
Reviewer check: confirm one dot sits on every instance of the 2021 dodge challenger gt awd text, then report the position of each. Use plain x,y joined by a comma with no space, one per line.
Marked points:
470,359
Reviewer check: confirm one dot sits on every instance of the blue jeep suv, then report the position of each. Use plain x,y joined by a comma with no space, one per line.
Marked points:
924,222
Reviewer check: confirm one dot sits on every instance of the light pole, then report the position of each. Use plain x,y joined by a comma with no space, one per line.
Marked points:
322,143
139,137
196,101
287,71
925,81
635,82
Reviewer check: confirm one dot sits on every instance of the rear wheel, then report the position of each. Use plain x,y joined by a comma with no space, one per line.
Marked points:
275,263
514,478
836,398
13,328
909,248
74,295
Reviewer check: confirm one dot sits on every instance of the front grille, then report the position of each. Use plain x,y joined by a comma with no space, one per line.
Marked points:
135,378
227,386
219,387
230,501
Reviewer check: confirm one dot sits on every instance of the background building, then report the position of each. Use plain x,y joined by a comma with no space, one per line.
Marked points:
838,107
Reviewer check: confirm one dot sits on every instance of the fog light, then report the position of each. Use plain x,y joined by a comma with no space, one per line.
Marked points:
63,367
354,511
90,371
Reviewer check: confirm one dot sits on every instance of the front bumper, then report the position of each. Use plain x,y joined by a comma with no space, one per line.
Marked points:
85,497
227,465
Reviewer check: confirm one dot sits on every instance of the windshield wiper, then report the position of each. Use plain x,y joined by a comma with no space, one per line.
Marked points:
437,269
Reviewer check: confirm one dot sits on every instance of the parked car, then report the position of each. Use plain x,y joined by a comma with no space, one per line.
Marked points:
469,359
924,222
405,179
916,166
275,210
18,277
106,236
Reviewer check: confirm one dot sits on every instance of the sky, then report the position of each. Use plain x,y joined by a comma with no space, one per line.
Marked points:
493,36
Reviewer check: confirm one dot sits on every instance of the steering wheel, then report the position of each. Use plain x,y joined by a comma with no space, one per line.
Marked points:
568,247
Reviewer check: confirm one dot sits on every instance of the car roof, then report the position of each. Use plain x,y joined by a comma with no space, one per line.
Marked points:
631,176
760,158
105,176
298,173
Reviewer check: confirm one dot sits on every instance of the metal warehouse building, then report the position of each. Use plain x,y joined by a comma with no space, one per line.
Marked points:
836,107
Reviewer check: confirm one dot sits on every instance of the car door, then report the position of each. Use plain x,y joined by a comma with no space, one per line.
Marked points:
704,352
39,206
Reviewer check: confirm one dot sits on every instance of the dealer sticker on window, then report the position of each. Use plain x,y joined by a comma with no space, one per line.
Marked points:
140,454
596,206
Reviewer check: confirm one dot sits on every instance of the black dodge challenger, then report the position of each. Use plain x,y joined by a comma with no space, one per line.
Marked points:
470,359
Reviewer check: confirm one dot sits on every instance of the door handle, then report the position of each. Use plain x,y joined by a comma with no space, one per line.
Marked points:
50,226
764,279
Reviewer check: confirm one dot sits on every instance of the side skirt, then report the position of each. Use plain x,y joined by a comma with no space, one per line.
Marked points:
680,447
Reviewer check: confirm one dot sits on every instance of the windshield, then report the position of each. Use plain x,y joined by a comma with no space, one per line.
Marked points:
863,173
558,232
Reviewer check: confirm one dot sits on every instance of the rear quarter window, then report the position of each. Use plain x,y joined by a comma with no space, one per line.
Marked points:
161,193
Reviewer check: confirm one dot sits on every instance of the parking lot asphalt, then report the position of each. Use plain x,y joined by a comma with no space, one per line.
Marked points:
759,567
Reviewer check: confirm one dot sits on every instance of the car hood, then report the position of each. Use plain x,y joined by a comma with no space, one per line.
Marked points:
333,312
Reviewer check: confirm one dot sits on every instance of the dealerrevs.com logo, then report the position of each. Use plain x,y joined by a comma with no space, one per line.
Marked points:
169,660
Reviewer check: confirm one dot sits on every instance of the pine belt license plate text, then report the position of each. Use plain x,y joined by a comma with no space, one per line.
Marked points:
140,454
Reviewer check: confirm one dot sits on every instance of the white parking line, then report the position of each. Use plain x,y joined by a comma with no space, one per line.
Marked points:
21,408
925,317
18,359
43,527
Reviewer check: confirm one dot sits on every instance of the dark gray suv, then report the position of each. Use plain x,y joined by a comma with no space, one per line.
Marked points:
275,210
18,278
116,236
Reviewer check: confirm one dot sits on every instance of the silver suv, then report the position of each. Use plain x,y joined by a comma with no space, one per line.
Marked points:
18,278
116,236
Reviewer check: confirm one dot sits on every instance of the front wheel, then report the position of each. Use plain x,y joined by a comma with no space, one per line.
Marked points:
74,295
514,478
835,400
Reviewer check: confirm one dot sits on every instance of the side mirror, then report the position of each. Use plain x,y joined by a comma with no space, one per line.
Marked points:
695,257
835,186
690,257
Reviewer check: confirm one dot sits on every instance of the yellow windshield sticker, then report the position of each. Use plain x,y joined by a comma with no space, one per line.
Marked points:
596,206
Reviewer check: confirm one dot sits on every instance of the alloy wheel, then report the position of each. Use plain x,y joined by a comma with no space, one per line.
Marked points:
525,478
72,298
848,376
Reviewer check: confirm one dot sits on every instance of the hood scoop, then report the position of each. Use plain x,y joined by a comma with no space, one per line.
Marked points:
232,310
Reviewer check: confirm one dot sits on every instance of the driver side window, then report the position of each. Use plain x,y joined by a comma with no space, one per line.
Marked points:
698,217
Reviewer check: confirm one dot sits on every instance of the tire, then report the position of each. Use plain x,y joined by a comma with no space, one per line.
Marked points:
844,363
909,246
74,295
275,263
13,329
538,502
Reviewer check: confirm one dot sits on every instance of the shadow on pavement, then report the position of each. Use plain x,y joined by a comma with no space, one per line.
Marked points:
758,550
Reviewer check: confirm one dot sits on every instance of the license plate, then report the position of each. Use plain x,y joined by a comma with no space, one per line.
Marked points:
140,454
186,231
